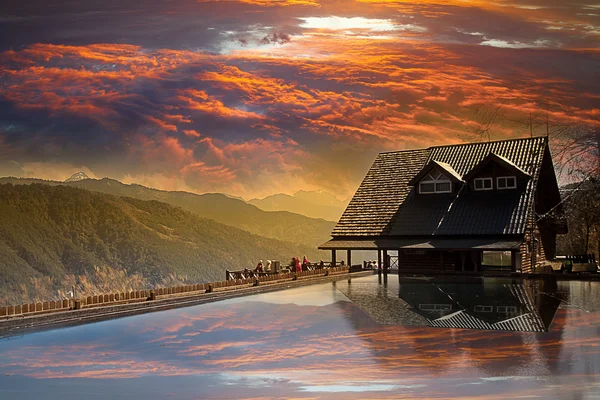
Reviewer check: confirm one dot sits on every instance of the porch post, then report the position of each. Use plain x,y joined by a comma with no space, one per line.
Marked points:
398,262
386,262
379,266
513,261
333,260
349,258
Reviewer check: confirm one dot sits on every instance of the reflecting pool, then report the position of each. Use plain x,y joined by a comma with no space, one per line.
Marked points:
369,338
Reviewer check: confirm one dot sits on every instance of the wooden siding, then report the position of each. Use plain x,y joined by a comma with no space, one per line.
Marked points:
426,260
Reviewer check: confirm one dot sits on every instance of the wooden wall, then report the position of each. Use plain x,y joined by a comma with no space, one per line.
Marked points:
426,260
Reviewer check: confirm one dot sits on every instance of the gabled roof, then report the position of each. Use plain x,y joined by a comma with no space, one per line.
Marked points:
386,205
505,162
443,167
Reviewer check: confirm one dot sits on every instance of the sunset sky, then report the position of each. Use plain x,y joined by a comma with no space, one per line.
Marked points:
255,97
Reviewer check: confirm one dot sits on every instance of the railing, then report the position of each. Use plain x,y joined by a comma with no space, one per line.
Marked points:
102,300
582,258
253,273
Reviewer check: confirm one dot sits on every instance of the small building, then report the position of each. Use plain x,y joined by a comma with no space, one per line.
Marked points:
467,208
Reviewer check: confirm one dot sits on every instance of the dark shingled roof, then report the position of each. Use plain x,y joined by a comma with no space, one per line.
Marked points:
423,243
386,205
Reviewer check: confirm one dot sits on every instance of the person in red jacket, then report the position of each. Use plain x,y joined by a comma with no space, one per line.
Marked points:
298,265
305,263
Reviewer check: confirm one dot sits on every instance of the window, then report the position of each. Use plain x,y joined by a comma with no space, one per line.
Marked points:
483,184
497,259
506,309
481,308
506,182
435,307
435,182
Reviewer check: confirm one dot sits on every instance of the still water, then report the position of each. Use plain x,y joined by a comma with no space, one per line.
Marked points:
392,339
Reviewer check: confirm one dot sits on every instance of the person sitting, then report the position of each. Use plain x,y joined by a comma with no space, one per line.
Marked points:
322,264
342,263
268,267
259,267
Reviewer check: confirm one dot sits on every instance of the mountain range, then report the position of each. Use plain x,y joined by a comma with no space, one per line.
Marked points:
312,204
56,236
281,225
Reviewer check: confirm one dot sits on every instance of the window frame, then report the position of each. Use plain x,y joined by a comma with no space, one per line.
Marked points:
506,309
483,180
435,307
501,254
431,179
506,178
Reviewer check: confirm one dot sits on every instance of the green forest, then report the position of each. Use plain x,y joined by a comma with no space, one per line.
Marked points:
281,225
53,237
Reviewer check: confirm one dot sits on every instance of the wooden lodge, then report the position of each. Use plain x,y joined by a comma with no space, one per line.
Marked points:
467,208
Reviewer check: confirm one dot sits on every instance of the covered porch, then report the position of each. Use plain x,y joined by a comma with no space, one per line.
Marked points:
435,255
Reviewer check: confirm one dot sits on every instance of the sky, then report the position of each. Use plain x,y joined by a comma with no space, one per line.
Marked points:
256,97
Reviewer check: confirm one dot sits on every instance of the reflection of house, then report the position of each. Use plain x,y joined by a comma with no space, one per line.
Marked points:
464,207
498,304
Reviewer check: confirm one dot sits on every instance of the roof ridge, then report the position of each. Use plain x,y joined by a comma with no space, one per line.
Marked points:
405,150
488,142
464,144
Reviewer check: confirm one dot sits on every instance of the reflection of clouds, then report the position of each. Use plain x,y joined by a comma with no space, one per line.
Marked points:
323,350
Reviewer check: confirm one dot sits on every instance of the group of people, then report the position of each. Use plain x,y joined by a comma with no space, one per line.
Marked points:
261,268
297,266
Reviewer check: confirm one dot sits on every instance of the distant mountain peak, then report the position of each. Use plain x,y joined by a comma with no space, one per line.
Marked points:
78,176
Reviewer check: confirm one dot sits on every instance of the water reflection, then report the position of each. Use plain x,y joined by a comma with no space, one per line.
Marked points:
490,303
350,340
507,304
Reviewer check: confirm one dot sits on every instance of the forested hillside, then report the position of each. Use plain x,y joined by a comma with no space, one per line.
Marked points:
281,225
52,237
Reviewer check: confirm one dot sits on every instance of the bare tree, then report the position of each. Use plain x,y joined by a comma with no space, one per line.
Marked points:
581,205
576,154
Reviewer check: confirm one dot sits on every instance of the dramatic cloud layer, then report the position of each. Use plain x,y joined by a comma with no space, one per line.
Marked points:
285,95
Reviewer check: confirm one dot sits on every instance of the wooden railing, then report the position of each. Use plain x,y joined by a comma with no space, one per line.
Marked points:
101,300
253,273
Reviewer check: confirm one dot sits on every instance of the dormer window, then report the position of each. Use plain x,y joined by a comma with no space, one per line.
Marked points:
506,182
483,184
435,182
